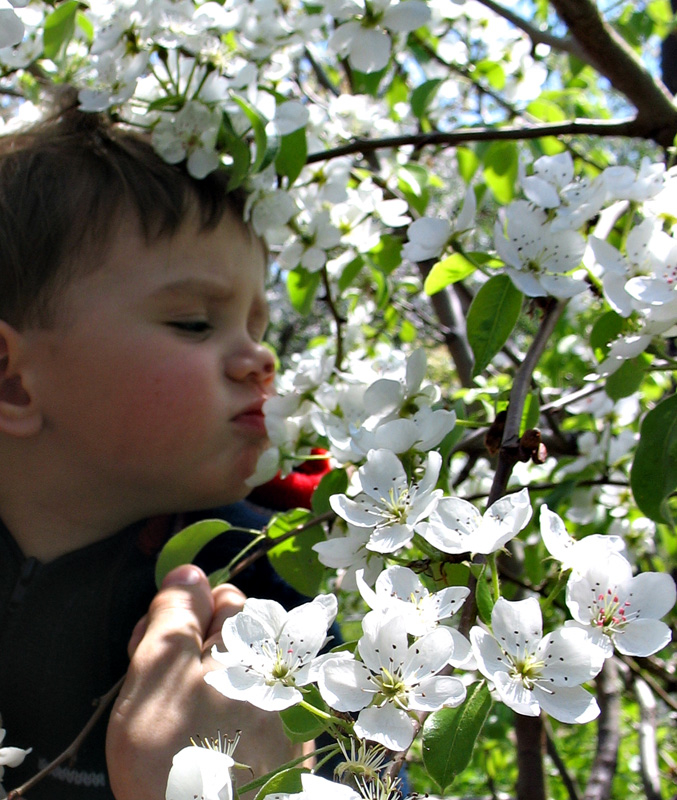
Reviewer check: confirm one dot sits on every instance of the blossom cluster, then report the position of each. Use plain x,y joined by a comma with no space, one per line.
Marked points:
541,242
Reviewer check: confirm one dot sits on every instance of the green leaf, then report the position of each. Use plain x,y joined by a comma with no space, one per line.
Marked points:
483,598
301,725
291,157
186,544
450,270
286,782
605,330
294,559
59,28
468,163
266,145
302,287
387,255
653,476
627,379
491,318
350,272
334,482
449,735
423,95
366,82
500,170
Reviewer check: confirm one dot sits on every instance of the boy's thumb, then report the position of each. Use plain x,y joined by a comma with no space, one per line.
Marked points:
179,614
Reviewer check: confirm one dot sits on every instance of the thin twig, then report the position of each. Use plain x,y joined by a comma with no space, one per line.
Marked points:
71,751
567,780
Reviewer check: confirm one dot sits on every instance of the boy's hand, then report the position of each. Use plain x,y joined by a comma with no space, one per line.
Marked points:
165,701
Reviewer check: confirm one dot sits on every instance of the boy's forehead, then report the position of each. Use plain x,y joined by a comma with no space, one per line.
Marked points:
215,261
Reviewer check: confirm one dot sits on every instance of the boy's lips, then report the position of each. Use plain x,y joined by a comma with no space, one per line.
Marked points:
252,417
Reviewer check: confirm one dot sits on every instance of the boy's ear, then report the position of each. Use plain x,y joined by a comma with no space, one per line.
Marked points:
19,412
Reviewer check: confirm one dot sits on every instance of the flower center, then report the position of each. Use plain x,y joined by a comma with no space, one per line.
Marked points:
609,613
526,669
390,685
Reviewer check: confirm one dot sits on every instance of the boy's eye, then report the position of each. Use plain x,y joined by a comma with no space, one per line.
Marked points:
194,326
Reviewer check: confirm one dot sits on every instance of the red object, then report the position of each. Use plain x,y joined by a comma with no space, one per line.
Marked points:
296,489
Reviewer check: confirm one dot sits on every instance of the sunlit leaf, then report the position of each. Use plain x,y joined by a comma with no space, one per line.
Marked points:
186,544
491,318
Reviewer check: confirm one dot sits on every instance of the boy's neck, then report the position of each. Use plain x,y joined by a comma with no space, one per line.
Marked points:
46,537
49,514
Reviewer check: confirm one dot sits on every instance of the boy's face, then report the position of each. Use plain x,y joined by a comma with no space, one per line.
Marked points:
152,380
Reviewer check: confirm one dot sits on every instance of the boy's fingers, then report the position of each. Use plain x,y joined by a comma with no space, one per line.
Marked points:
179,615
228,600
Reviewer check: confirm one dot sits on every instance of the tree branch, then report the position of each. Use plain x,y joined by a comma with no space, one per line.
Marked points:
612,57
536,35
626,127
608,737
648,755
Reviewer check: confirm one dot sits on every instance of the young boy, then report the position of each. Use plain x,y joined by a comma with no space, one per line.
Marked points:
132,376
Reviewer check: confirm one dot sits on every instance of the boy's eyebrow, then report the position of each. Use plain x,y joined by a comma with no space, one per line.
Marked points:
197,286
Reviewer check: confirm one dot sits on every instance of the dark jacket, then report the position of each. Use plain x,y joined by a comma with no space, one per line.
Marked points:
64,628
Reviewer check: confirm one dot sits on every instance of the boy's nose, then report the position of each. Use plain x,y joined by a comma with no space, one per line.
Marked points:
255,363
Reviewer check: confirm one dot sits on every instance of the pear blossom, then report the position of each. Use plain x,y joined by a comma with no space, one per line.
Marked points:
270,651
536,257
191,133
550,175
9,757
399,590
641,277
309,250
389,503
11,27
572,553
290,116
315,786
349,554
625,183
621,350
530,671
428,236
619,610
392,679
365,41
580,201
456,526
202,772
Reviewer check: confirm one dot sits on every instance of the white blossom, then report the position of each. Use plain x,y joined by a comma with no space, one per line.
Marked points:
190,133
9,757
270,651
11,27
349,554
428,236
535,255
456,526
200,772
574,553
530,671
392,679
618,609
398,590
315,787
389,503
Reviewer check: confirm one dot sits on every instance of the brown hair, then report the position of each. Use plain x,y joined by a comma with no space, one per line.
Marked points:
64,184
